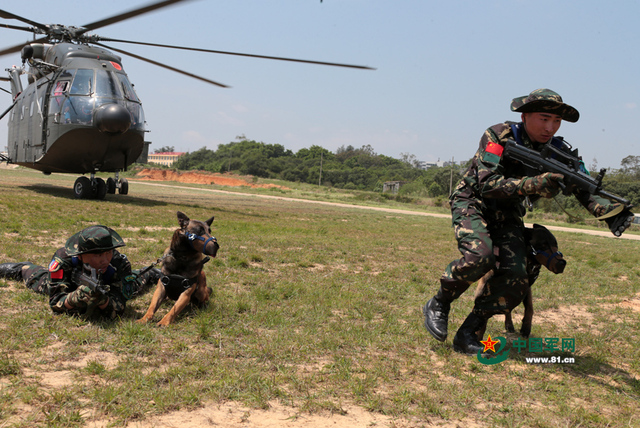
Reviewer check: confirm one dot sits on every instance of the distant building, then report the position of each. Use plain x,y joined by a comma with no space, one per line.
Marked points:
439,164
391,186
166,158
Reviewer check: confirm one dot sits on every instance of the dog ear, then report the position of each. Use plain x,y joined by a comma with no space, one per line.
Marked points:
209,221
542,238
183,220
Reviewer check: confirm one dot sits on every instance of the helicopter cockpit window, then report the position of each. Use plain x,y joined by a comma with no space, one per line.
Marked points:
78,110
61,87
106,85
83,82
127,88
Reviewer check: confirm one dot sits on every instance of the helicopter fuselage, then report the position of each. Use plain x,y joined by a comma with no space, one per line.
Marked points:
79,113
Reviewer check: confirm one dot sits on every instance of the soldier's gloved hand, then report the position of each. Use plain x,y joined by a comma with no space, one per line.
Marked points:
83,296
620,222
546,185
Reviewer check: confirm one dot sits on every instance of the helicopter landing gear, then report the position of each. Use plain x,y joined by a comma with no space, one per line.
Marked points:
82,188
111,185
118,183
100,188
124,187
97,188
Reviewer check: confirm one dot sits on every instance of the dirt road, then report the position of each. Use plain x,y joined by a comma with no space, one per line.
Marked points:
602,233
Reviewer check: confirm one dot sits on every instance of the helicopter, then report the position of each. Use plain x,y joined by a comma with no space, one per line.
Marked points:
79,112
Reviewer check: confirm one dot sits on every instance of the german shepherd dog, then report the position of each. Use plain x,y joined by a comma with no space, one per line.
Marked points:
543,252
182,277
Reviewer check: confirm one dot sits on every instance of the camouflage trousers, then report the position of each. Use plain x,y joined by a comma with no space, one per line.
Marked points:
485,246
36,278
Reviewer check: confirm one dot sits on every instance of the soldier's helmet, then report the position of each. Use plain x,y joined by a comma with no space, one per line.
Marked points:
545,101
93,239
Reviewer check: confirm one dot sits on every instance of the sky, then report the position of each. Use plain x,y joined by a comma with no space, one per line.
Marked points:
445,71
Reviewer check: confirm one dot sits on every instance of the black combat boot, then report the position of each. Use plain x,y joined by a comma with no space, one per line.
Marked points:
466,339
150,279
436,317
11,271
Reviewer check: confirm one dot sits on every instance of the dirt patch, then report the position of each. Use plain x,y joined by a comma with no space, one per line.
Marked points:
574,315
233,415
201,178
632,303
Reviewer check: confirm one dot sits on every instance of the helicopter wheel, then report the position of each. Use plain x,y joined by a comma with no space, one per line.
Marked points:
82,188
111,185
124,187
101,189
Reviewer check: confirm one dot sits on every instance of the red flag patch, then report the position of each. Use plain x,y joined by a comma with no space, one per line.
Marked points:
495,149
493,153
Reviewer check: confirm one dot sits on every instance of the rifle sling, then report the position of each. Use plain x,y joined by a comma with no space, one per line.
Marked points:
612,213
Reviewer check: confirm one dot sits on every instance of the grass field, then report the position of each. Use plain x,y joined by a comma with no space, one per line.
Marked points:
315,321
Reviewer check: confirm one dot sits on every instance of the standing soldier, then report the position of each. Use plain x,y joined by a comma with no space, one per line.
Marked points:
88,275
487,208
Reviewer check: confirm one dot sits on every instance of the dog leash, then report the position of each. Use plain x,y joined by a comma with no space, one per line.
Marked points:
152,265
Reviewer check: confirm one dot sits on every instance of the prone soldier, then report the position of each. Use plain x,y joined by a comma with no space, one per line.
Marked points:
87,276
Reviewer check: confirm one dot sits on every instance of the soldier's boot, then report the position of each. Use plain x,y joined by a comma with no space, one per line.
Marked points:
11,271
436,317
143,283
150,278
466,339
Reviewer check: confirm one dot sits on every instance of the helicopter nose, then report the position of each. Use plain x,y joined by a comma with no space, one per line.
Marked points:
112,118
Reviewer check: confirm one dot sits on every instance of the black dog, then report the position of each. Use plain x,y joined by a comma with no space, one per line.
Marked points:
543,252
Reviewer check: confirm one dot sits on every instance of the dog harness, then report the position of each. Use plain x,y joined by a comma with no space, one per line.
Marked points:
175,285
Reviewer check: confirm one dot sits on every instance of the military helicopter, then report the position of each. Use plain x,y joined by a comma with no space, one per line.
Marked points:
79,112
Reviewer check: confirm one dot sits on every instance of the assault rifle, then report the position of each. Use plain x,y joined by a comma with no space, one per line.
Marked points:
88,276
552,159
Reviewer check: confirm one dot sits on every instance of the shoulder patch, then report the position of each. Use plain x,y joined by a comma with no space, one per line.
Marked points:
493,153
55,270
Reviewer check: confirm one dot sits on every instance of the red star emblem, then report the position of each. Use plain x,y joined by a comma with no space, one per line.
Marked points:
489,344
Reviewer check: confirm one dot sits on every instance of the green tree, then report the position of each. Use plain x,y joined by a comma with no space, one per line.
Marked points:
165,149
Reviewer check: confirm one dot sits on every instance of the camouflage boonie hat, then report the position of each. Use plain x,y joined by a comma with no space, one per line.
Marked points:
545,101
93,239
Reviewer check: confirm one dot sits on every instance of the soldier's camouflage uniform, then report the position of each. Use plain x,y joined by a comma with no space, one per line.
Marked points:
56,280
487,209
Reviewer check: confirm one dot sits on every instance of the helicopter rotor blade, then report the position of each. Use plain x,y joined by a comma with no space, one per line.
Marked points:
16,27
127,15
8,110
8,15
168,67
334,64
